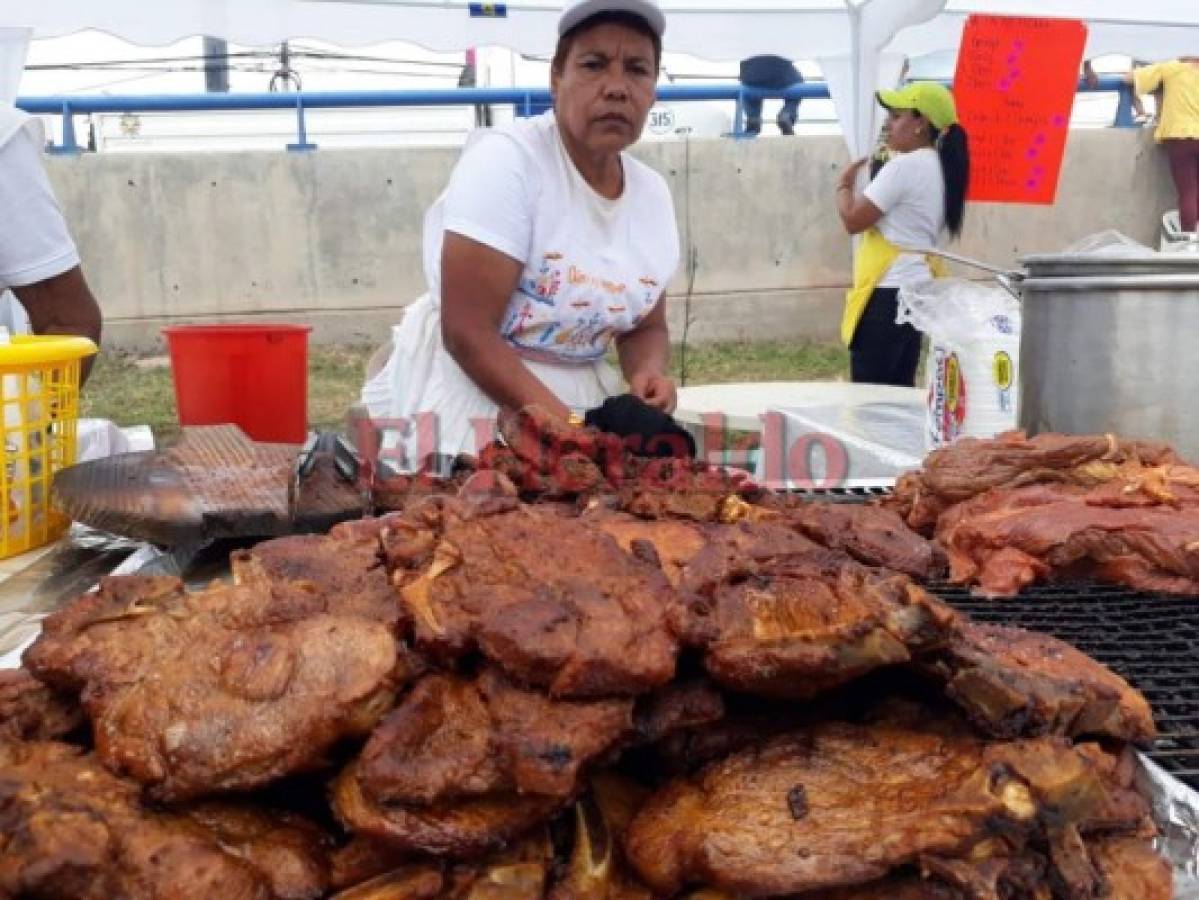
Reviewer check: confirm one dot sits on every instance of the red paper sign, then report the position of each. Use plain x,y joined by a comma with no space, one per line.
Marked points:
1015,87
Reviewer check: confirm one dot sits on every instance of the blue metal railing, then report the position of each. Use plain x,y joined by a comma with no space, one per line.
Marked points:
525,100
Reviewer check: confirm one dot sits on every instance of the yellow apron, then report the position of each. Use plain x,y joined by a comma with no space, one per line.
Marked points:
874,258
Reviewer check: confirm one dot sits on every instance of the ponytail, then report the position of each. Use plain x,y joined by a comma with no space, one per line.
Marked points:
952,147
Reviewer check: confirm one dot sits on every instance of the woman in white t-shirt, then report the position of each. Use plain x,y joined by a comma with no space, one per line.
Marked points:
917,198
549,244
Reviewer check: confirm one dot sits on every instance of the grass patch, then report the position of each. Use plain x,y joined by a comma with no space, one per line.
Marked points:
128,394
132,391
744,361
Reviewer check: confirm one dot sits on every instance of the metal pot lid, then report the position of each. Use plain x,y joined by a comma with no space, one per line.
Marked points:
1048,265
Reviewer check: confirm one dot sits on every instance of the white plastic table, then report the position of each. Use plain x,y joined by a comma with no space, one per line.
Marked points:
705,409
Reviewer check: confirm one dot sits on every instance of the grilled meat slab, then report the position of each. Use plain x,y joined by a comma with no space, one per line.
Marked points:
518,872
457,829
453,738
193,694
809,622
841,805
972,466
870,534
32,711
324,574
1006,539
70,829
290,851
553,602
1132,870
1013,682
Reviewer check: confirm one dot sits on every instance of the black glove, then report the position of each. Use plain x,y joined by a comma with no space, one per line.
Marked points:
656,433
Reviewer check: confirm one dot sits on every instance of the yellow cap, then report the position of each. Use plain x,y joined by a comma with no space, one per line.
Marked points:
930,99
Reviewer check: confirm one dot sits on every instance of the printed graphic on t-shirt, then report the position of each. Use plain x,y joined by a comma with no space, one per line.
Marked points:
571,311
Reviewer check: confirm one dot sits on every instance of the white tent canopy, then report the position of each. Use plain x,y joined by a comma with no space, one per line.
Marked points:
713,29
859,43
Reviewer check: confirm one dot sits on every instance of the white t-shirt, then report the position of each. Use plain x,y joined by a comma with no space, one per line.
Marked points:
594,267
34,241
910,192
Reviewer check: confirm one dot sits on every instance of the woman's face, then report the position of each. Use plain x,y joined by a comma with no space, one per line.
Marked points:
907,130
604,91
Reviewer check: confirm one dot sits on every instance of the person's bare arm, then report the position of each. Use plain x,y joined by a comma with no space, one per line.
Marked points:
63,305
477,282
645,358
856,212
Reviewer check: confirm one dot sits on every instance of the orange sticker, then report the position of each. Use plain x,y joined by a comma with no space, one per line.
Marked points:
1015,87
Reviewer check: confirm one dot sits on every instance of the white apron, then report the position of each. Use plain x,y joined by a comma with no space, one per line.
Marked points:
420,376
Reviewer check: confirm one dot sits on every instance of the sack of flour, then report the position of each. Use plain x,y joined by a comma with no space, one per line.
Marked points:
973,362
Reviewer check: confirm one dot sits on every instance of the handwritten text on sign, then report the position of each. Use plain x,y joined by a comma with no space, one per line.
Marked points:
1015,86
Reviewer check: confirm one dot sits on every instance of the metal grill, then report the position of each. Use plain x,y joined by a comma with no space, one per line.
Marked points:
842,494
1150,640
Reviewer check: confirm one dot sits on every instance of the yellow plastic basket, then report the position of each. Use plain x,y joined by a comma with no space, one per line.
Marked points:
39,395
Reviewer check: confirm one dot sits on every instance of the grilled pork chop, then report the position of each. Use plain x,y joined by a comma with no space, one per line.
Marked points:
1013,682
457,829
70,829
1132,870
32,711
193,694
518,872
806,623
453,738
326,574
839,805
551,601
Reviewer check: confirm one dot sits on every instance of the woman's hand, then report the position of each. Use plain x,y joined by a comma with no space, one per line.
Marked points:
657,390
849,177
645,356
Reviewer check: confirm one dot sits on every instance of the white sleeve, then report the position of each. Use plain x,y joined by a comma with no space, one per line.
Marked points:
889,185
490,197
34,241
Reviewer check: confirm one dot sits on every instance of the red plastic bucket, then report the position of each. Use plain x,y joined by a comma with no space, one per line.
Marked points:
253,376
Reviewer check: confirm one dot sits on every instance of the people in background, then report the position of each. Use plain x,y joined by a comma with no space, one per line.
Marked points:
1091,78
917,199
1178,126
550,244
776,73
38,260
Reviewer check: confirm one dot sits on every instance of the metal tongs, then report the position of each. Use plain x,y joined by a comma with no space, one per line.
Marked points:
347,465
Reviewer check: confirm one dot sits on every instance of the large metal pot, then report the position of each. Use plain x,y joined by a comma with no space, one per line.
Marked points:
1108,345
1113,352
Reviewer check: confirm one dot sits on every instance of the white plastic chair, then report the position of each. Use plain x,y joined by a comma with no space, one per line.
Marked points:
1172,233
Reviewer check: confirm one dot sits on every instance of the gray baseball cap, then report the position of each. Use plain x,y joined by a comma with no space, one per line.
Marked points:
575,12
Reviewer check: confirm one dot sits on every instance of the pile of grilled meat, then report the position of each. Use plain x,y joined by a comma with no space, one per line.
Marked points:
683,689
1013,510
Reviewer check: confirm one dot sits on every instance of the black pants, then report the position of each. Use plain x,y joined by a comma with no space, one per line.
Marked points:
881,351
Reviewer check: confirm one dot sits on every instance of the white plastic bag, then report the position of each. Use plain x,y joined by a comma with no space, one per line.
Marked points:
974,356
1110,244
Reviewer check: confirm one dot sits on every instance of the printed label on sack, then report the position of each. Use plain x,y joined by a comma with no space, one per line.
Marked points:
1004,374
947,402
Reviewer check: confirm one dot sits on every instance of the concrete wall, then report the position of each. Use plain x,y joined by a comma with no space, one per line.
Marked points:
332,238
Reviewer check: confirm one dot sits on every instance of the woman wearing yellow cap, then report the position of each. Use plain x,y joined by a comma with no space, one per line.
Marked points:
916,198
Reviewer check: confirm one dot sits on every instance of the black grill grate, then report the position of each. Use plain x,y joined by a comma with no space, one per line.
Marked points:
842,494
1149,639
